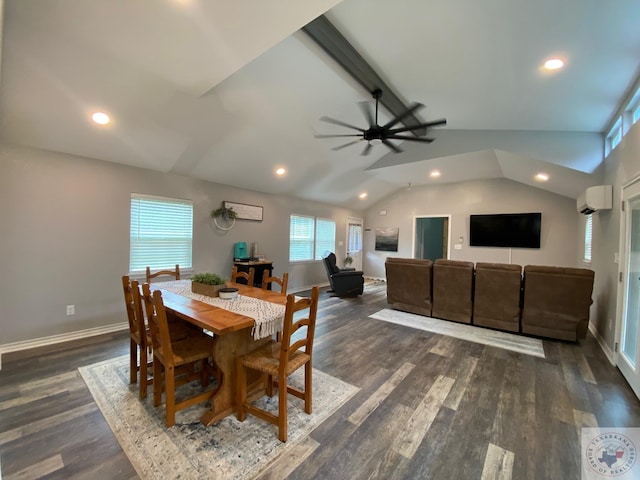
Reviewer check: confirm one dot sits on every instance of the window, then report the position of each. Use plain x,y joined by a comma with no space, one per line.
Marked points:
635,114
614,137
588,235
161,233
309,237
354,238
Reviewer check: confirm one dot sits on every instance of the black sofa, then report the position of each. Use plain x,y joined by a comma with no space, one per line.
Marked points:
343,281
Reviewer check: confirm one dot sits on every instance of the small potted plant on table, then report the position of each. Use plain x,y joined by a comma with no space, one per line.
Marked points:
207,284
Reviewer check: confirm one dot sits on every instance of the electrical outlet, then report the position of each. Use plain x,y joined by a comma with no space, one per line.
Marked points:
71,309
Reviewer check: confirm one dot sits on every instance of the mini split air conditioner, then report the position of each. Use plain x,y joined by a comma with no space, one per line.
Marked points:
595,198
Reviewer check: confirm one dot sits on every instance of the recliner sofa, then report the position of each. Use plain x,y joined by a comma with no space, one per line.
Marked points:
344,282
409,284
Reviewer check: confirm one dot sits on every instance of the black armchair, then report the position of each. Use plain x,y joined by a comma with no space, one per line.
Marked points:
343,281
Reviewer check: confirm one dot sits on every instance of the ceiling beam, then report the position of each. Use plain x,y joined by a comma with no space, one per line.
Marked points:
327,36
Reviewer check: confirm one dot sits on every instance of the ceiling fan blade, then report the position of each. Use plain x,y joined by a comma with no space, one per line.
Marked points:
342,124
402,116
435,123
340,147
411,139
391,146
367,148
368,114
336,136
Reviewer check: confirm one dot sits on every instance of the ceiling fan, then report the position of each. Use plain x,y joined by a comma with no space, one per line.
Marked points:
382,133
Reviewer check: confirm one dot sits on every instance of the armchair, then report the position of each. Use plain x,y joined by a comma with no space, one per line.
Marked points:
344,282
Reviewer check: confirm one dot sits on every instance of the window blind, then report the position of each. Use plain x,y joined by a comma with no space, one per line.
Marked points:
588,236
354,238
161,233
325,237
301,238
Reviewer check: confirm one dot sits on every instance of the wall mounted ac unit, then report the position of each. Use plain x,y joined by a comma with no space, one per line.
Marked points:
595,198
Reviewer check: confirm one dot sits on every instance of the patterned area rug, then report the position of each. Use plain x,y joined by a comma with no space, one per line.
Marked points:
494,338
228,449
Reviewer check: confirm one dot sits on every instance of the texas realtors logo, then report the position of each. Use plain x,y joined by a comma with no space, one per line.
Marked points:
611,454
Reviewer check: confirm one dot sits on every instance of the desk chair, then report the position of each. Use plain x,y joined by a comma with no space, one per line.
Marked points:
266,280
170,354
235,274
174,273
139,336
281,359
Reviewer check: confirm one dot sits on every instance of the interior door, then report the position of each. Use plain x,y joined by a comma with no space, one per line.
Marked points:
431,239
628,359
354,241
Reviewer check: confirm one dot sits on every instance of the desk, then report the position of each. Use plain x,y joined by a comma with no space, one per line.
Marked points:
259,267
232,338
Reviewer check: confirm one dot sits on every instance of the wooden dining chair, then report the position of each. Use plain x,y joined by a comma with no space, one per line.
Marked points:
279,360
266,280
235,274
170,354
139,338
173,273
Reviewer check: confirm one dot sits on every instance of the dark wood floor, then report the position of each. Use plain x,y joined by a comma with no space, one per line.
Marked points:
429,406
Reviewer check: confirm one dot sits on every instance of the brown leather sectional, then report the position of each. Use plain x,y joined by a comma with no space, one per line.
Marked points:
543,301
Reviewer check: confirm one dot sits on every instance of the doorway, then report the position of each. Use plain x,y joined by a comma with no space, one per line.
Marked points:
354,241
431,237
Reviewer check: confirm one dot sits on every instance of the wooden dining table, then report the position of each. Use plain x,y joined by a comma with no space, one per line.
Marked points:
232,338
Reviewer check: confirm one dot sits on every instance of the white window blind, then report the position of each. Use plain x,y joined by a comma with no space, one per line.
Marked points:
354,238
325,237
161,233
301,238
588,235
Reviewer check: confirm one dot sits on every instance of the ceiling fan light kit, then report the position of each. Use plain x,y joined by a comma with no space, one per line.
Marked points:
377,134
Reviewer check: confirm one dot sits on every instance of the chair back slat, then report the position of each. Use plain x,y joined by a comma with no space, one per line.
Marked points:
291,326
235,274
157,318
267,280
173,273
135,314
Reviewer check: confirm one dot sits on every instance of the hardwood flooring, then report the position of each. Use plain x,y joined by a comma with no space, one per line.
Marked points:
430,406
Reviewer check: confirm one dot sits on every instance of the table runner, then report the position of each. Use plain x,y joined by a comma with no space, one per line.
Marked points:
268,316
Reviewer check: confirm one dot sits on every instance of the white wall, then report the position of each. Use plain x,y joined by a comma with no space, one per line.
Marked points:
65,237
621,166
559,221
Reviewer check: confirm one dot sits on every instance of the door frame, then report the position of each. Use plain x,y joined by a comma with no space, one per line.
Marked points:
623,281
414,226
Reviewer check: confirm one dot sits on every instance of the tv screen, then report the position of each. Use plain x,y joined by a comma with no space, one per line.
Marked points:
518,230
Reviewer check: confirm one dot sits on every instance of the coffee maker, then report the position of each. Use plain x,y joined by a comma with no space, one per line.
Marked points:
240,253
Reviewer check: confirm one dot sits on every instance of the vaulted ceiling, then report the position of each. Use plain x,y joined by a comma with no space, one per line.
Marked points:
228,91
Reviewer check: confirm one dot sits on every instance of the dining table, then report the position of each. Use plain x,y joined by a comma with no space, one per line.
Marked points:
233,334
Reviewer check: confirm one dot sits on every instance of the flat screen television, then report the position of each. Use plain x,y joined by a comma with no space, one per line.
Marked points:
517,230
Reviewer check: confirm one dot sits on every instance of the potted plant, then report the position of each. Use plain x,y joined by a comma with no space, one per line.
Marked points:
207,284
226,215
348,260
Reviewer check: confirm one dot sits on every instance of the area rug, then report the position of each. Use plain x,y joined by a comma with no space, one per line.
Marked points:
228,449
494,338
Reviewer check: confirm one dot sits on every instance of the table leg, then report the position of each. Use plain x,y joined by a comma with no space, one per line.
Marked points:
226,348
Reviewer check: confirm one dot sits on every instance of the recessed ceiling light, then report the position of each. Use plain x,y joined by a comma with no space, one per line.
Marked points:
554,64
542,177
434,173
101,118
281,171
363,195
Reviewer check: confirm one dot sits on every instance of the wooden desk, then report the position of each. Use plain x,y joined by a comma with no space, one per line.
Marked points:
232,338
259,267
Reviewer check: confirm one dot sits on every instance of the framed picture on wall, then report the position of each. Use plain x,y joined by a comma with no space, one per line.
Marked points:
387,239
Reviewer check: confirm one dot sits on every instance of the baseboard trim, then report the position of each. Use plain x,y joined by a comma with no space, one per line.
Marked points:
65,337
603,345
307,287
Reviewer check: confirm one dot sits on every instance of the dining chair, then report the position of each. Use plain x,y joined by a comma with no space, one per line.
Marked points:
278,360
139,338
235,274
266,280
173,273
170,354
